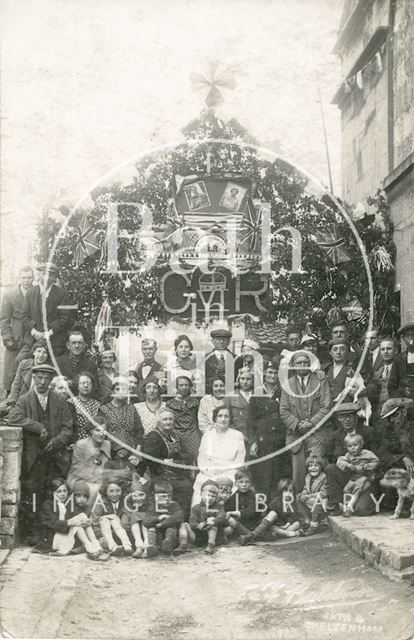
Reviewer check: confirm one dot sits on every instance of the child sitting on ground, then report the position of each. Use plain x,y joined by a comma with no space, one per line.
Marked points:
207,519
162,520
66,523
361,463
241,509
313,498
282,518
135,509
106,517
225,485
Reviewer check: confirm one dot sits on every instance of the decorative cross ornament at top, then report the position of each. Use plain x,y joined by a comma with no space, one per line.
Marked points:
214,81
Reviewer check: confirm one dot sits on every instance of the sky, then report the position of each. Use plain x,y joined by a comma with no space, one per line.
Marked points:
87,84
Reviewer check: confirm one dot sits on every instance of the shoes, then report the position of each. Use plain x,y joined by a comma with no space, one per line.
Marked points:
334,511
209,549
247,539
311,531
150,552
180,550
167,546
127,551
138,552
99,556
117,551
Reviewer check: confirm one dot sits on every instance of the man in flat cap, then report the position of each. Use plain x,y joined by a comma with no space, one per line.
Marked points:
220,358
58,317
401,380
347,421
46,421
397,440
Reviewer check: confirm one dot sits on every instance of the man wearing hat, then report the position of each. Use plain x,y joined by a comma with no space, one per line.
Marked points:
397,441
348,424
401,380
47,424
219,357
56,323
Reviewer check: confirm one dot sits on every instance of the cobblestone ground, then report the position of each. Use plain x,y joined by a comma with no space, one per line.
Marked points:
302,589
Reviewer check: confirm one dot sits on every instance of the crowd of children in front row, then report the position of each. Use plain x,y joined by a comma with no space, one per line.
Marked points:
128,519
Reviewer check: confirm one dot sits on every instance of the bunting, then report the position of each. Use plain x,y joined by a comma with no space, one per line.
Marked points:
334,246
89,241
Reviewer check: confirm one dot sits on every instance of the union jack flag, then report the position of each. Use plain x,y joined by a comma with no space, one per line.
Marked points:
251,226
329,241
89,241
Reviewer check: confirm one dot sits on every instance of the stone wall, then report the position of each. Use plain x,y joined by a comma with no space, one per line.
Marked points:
11,439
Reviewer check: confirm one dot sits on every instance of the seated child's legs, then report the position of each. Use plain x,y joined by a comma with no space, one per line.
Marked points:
122,534
185,536
140,535
280,532
170,540
106,530
152,549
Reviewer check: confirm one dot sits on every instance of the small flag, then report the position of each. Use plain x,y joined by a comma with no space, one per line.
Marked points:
333,245
89,241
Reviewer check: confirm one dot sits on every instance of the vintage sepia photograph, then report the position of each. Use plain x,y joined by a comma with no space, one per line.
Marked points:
207,319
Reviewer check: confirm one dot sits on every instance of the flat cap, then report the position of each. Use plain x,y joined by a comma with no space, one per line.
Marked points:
220,333
347,407
393,404
404,328
46,368
335,341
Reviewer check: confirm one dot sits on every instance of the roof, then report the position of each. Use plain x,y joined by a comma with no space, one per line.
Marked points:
265,333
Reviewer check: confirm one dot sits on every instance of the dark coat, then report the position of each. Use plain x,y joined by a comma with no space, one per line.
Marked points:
57,317
336,385
240,410
50,523
12,330
245,502
104,387
264,424
156,366
173,510
399,384
86,363
216,367
59,427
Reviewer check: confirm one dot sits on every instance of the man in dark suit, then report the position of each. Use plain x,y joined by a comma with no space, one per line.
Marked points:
338,371
12,325
148,367
374,356
47,430
57,321
220,360
305,401
75,360
377,385
401,380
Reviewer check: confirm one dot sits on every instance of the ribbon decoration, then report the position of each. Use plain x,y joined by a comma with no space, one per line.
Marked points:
329,241
213,83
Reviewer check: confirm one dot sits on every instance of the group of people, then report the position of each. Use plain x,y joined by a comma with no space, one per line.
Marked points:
166,455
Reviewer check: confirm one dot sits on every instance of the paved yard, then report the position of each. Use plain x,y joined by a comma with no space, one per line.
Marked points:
307,588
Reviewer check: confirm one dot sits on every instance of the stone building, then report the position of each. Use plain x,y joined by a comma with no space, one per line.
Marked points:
376,99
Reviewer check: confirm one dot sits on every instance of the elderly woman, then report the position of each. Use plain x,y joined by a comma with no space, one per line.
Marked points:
163,444
90,457
185,410
106,375
86,408
22,382
222,450
122,420
148,410
209,402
